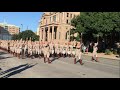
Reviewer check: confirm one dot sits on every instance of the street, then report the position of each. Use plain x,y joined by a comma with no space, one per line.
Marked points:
12,67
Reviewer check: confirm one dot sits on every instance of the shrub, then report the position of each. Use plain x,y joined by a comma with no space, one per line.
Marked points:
115,51
107,52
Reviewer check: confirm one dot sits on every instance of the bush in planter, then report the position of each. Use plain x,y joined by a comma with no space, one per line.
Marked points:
107,52
115,51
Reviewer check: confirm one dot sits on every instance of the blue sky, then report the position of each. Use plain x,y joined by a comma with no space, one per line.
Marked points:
27,19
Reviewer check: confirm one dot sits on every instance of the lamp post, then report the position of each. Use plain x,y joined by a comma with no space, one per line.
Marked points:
22,26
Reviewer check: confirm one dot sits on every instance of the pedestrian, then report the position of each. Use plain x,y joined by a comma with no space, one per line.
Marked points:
94,56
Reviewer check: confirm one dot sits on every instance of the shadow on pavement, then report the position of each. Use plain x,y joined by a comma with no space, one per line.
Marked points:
1,53
12,69
78,61
54,59
16,70
1,57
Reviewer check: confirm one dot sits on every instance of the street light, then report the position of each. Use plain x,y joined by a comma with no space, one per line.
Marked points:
22,26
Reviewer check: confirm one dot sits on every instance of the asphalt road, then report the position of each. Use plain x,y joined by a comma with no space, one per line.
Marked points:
13,67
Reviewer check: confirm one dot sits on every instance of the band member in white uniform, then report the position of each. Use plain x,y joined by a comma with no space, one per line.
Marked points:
31,51
19,50
63,51
78,54
69,52
73,51
53,51
58,51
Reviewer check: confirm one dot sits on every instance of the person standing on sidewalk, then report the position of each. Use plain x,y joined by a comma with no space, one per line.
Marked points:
95,48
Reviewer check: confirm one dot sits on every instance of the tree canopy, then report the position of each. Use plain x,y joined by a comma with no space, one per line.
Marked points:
91,24
103,27
27,34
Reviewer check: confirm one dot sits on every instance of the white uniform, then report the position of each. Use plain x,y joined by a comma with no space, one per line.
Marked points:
26,47
30,50
73,51
78,54
95,51
58,50
52,50
69,51
20,49
63,50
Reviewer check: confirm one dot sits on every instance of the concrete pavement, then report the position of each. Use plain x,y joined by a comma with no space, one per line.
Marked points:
59,68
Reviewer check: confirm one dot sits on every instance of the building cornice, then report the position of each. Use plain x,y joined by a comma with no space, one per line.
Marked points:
49,25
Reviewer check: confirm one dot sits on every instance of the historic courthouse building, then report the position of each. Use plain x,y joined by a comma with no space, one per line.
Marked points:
55,26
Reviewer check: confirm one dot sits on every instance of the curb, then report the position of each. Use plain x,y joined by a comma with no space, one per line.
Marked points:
104,57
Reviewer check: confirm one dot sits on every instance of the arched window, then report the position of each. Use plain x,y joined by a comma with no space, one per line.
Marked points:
54,18
67,21
67,14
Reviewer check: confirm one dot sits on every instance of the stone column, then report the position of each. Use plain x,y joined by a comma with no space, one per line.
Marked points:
58,17
43,34
64,17
57,33
69,35
40,34
52,32
48,33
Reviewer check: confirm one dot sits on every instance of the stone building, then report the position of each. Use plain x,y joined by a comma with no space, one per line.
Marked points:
55,26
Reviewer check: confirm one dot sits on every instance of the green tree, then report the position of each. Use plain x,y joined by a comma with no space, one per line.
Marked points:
106,24
27,34
15,37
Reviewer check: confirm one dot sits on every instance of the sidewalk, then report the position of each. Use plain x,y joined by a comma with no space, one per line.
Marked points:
112,56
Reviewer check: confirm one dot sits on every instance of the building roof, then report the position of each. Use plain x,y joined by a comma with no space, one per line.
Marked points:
5,24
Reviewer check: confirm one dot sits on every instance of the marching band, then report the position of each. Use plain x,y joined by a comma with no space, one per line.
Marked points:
29,49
